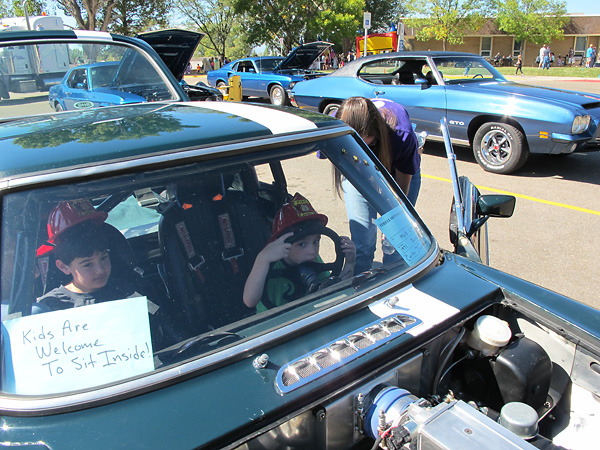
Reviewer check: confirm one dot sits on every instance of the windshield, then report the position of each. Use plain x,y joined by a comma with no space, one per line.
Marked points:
44,78
268,64
455,70
160,280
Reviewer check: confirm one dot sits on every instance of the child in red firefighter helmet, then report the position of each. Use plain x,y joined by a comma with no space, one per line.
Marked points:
297,230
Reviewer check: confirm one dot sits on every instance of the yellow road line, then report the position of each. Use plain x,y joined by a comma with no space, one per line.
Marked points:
526,197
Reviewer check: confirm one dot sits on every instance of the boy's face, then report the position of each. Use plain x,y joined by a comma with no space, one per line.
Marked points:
89,273
303,250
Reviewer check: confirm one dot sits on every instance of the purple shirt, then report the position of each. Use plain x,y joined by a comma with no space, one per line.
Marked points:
405,147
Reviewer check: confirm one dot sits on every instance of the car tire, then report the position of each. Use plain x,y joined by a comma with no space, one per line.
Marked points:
278,96
58,107
500,148
331,108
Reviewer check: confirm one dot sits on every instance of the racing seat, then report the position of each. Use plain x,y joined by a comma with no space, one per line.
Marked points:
404,78
209,238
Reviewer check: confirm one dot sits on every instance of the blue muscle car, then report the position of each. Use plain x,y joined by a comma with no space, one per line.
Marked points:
502,121
271,76
129,235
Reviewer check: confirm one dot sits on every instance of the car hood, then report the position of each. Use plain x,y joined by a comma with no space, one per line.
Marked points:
544,94
303,56
175,47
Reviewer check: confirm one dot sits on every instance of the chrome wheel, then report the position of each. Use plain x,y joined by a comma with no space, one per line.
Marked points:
500,148
277,96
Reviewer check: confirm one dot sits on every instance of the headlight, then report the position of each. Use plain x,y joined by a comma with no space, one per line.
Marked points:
580,124
292,84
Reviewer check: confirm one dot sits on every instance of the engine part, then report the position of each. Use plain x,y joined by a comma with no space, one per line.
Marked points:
523,371
489,335
446,426
519,418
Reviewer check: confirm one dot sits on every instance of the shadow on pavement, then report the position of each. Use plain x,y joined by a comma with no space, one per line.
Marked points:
581,166
25,100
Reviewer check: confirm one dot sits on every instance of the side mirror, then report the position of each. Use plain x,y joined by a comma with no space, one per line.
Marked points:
496,205
421,81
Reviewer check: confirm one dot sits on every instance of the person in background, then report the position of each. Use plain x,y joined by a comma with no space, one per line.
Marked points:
396,147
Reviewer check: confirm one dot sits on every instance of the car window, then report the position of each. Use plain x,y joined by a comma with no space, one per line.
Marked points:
395,71
181,241
267,64
463,69
38,79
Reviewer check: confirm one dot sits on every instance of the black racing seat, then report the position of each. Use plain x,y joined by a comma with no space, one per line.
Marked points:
209,238
404,78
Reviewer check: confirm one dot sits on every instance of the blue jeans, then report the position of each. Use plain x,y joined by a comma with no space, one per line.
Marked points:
363,231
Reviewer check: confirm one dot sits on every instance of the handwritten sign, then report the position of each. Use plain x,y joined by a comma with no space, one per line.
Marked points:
77,348
403,235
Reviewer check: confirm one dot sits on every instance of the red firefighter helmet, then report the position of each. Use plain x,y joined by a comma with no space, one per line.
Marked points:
298,210
68,214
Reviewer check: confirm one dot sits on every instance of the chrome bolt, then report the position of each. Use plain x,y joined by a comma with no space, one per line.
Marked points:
261,361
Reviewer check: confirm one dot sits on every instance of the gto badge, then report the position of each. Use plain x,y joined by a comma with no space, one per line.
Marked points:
456,122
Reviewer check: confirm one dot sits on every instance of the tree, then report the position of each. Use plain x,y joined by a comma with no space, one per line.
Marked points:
14,8
446,20
538,21
215,18
130,17
89,14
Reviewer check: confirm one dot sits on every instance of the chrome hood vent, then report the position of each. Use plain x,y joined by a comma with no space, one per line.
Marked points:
323,360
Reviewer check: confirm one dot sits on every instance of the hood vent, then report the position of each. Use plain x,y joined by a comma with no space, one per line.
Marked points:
341,351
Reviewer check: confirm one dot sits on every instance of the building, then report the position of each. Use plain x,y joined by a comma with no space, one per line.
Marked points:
579,32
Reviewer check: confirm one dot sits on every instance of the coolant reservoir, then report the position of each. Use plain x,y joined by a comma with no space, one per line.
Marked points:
489,335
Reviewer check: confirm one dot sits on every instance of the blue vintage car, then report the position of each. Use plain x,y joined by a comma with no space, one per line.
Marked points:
271,76
128,234
90,86
122,77
502,121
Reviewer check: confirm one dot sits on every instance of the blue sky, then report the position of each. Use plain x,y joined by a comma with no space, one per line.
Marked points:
583,6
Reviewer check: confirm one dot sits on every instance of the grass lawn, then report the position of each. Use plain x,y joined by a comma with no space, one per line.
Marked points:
569,72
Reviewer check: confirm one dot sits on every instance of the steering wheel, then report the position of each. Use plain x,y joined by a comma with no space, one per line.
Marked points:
297,272
478,75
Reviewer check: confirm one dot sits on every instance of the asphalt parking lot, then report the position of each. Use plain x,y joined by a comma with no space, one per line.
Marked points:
554,236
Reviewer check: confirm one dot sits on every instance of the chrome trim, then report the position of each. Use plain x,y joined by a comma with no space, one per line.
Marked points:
140,161
82,400
459,142
347,348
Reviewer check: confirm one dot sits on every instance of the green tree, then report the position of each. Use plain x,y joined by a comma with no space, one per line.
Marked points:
538,21
217,20
446,20
130,17
14,8
89,14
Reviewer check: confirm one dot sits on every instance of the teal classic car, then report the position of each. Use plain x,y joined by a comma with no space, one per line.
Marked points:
145,341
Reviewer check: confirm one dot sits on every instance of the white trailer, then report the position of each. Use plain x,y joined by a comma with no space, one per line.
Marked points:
33,67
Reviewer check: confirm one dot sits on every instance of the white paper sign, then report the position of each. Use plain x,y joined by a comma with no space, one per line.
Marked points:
402,234
77,348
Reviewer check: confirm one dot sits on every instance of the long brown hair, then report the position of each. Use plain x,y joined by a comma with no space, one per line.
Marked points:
362,115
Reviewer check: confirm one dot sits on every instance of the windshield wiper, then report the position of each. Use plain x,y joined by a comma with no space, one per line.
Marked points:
361,278
214,340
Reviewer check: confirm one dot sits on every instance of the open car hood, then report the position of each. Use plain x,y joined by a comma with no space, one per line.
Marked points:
175,47
303,56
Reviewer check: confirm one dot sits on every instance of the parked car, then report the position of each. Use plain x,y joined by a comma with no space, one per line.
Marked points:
433,350
176,48
90,85
118,76
502,121
271,76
